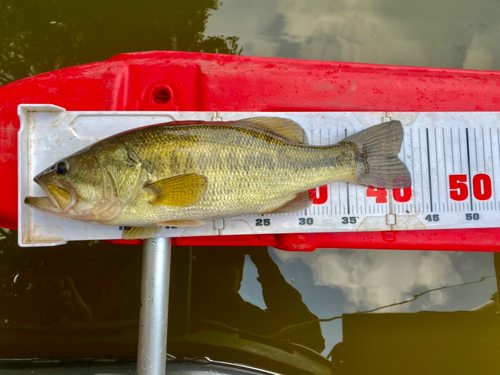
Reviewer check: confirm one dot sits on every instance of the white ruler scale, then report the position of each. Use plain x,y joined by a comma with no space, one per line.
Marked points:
453,158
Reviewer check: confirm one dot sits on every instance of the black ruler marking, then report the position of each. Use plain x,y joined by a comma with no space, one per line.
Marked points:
484,157
429,167
348,207
452,152
338,183
484,151
446,171
412,166
347,184
437,169
477,164
422,198
493,170
468,166
460,148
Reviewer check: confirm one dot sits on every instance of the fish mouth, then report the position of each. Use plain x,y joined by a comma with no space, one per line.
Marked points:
58,199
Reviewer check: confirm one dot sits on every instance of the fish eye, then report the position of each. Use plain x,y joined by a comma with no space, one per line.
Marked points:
62,167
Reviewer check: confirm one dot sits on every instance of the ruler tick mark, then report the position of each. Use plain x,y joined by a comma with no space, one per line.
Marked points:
437,169
445,173
493,169
347,185
452,152
429,167
484,151
468,165
421,174
412,158
460,148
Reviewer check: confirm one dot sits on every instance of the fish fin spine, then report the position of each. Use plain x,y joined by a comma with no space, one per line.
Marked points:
182,223
283,127
134,233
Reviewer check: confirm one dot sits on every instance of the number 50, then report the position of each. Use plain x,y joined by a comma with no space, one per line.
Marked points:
481,187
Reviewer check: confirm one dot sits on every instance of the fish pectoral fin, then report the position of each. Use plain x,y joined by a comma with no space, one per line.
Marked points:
299,203
181,223
134,233
179,191
284,127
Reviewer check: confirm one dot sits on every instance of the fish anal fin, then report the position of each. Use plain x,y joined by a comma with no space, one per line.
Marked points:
299,203
179,191
182,223
284,127
134,233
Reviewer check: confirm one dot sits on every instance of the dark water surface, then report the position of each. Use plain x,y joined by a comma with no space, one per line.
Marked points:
291,310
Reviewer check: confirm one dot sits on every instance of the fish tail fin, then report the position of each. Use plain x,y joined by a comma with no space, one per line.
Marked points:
378,148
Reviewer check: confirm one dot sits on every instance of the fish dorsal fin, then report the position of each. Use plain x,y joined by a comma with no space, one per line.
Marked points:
179,191
299,203
284,127
134,233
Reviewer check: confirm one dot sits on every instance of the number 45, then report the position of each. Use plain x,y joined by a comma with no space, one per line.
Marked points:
434,217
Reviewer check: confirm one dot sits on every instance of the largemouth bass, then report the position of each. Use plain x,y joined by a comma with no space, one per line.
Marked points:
181,173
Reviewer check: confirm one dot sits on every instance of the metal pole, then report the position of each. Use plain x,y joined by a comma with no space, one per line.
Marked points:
152,353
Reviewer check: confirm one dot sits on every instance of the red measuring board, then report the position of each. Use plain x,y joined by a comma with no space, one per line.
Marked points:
166,81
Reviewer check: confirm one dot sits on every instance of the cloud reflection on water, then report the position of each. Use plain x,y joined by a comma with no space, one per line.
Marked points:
448,33
370,279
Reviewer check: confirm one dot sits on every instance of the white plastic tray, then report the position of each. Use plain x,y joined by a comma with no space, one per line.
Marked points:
436,145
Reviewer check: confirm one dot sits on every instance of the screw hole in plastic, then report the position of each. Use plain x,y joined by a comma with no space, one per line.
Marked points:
161,95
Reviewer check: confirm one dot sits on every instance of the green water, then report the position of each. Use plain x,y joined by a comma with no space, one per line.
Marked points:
82,299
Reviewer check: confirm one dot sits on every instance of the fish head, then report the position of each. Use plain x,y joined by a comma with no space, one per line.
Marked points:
77,187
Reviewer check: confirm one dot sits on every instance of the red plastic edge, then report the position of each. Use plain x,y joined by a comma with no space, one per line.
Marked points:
208,82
